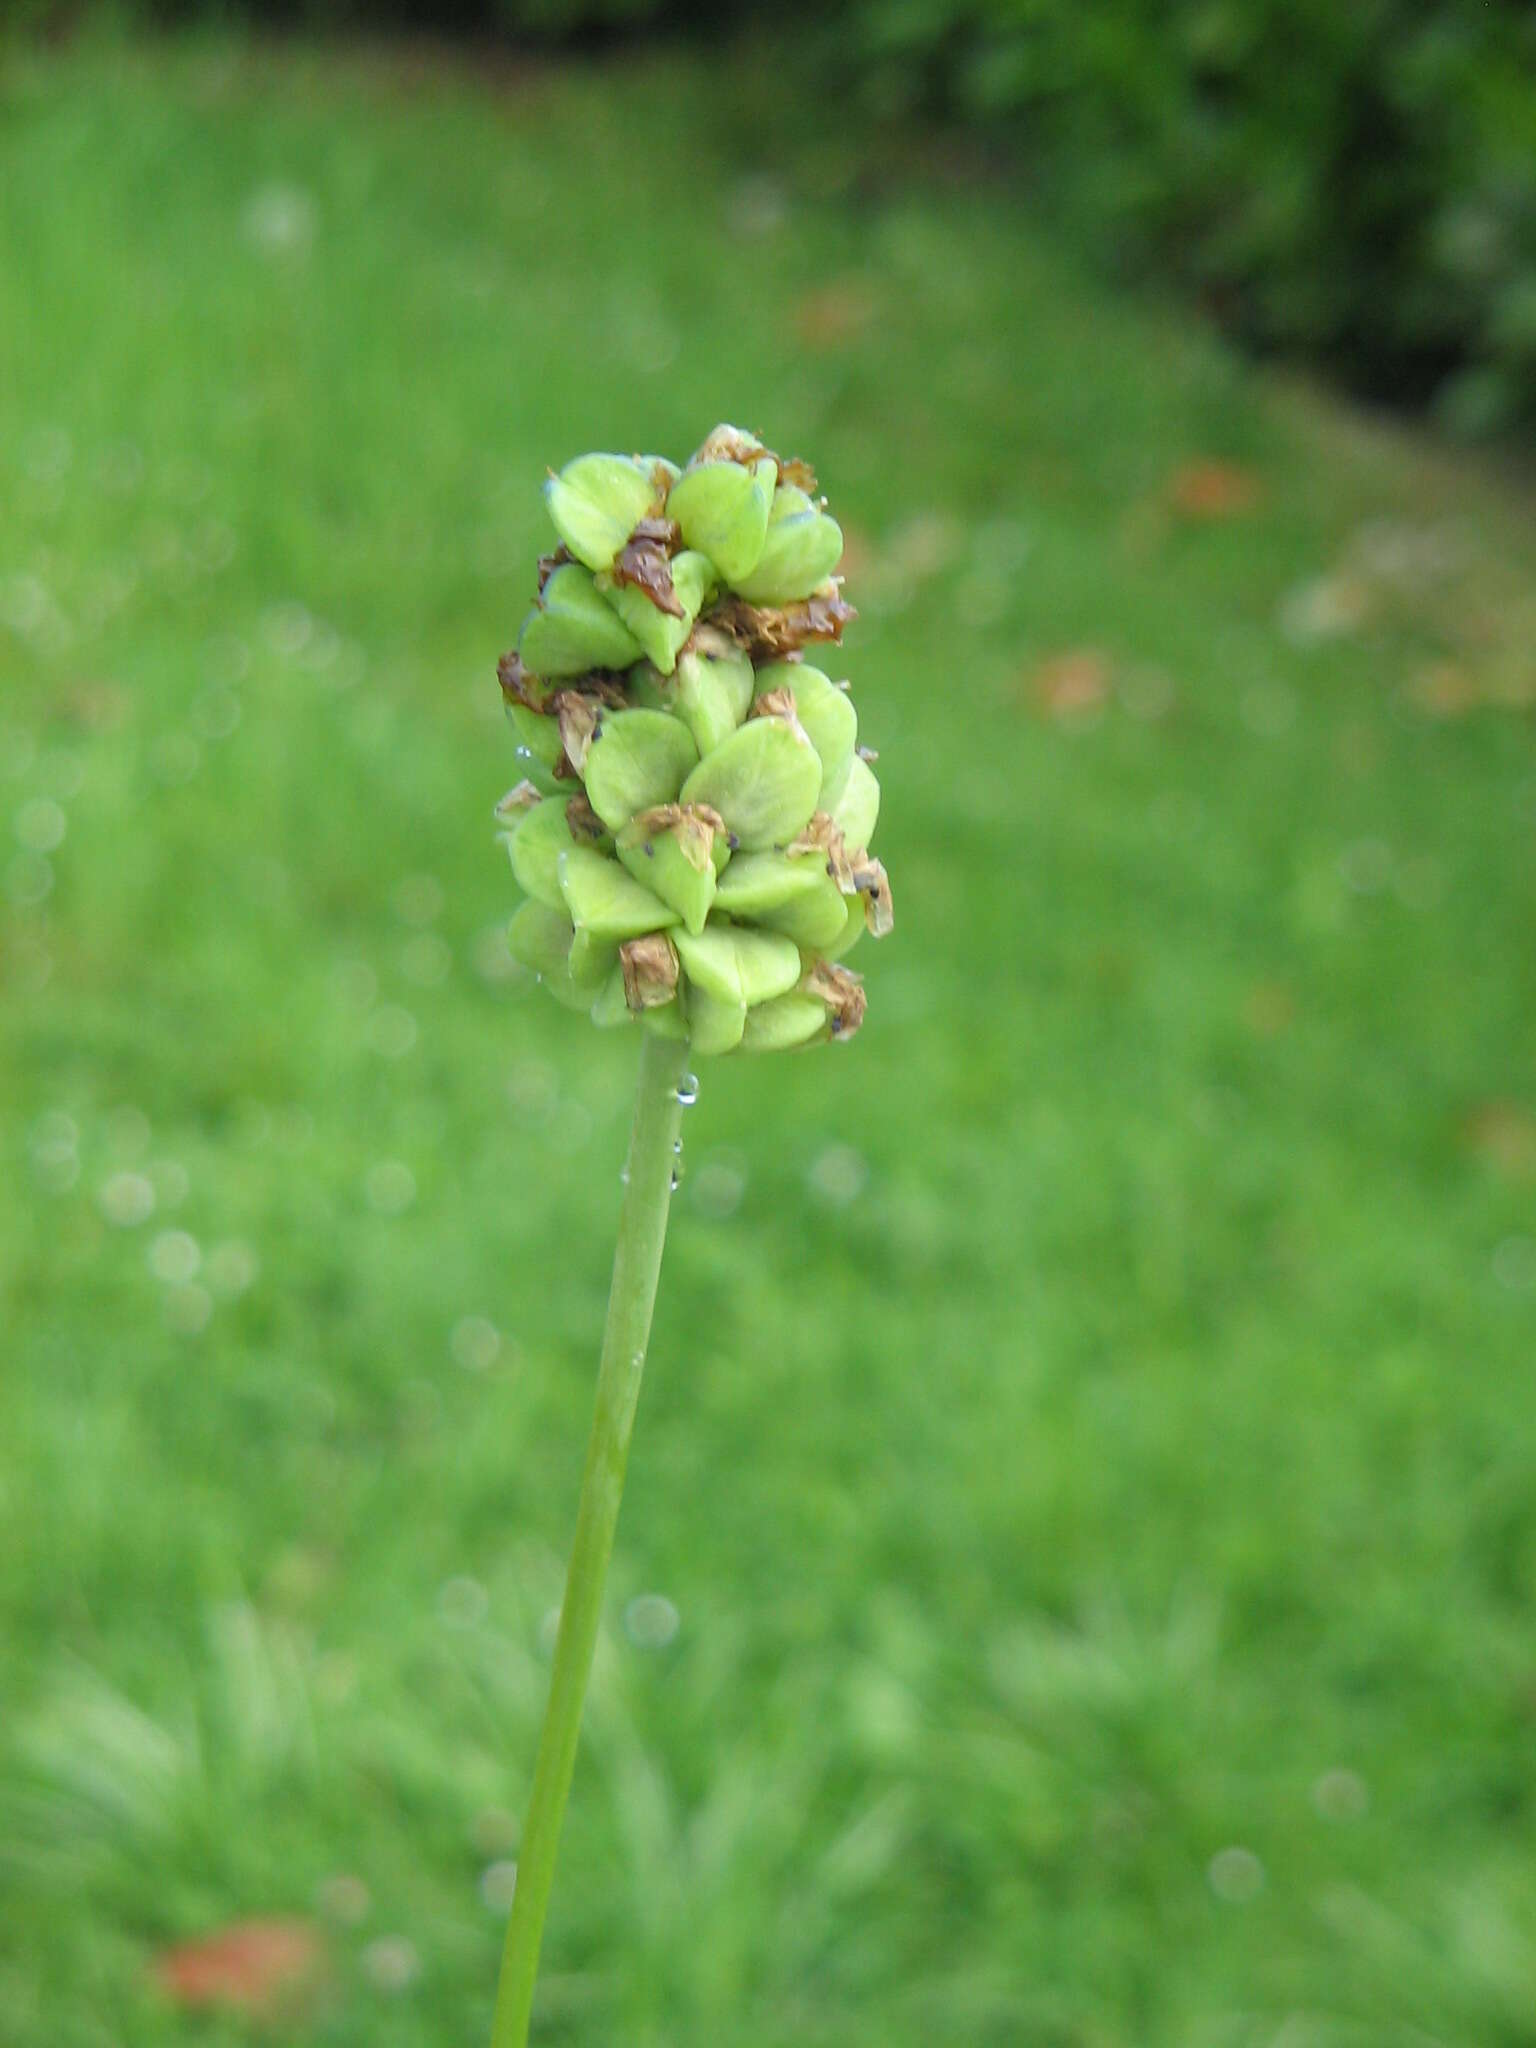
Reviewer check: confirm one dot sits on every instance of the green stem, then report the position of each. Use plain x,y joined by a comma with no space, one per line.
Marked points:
636,1265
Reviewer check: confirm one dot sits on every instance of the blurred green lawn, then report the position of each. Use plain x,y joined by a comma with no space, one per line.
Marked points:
1083,1518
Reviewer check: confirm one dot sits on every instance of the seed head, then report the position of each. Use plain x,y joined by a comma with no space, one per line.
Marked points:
692,824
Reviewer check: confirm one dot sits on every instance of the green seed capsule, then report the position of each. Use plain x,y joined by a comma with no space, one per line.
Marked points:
713,688
713,1026
592,959
785,893
722,509
816,920
540,938
858,807
638,759
670,850
802,547
541,836
606,903
789,1021
758,884
736,965
538,746
595,502
826,714
571,629
763,781
612,1006
657,633
855,925
648,691
668,1021
790,501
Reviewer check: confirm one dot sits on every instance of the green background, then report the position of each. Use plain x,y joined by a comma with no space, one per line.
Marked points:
1082,1513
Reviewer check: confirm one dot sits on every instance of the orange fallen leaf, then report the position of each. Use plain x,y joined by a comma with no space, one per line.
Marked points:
1270,1008
1066,685
1447,689
1213,490
252,1966
98,705
836,314
1444,690
1504,1134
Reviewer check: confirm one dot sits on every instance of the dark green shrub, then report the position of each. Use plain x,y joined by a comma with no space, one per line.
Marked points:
1350,178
